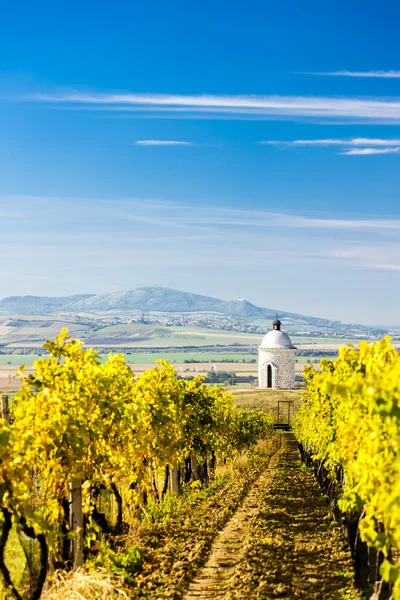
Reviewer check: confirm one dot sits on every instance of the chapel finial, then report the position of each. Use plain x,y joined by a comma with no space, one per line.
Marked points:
276,324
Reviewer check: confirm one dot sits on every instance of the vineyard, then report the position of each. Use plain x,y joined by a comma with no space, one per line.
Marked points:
82,433
156,487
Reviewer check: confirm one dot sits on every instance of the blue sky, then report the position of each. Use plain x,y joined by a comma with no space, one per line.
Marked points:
246,149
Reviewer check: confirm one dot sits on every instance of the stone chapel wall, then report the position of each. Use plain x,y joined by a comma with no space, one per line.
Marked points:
284,360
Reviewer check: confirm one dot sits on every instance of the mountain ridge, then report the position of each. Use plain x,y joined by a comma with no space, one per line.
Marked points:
146,299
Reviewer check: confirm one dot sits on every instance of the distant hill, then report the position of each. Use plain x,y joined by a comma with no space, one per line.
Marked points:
147,299
38,305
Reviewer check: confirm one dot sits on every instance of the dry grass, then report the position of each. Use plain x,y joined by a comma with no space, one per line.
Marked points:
267,400
81,585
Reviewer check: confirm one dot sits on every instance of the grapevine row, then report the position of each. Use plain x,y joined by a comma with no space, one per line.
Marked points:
350,424
77,419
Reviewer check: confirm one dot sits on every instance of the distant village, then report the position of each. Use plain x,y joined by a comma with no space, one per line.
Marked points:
227,323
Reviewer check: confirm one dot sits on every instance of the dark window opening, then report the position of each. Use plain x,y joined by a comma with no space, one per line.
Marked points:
269,376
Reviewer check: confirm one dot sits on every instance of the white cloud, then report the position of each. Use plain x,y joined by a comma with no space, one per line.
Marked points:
256,106
381,256
162,143
298,221
97,217
335,142
207,217
383,266
380,74
327,142
374,142
368,151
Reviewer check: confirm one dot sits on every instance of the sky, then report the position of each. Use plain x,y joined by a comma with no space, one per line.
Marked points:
233,149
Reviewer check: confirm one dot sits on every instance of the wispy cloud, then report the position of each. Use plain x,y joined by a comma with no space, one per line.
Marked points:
359,146
381,74
335,142
383,266
367,151
122,215
387,110
344,224
207,217
378,257
162,143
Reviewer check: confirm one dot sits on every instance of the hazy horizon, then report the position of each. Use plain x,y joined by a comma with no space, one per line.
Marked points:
385,325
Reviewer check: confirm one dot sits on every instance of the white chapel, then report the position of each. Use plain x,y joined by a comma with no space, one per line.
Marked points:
276,360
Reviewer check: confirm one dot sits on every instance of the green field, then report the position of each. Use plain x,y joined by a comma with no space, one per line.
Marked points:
180,357
144,358
305,339
17,360
151,336
312,359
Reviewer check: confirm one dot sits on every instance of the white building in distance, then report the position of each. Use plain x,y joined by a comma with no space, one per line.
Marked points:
276,360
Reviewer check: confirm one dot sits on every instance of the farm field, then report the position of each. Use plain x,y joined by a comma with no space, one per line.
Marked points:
164,337
36,330
324,339
202,359
302,360
145,358
32,332
9,382
208,341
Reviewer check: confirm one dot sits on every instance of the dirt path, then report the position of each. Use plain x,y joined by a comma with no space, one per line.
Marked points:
280,542
213,579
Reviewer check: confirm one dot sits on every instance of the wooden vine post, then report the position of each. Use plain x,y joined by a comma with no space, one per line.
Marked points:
195,467
5,412
174,481
76,522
